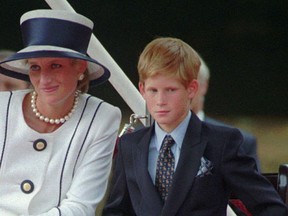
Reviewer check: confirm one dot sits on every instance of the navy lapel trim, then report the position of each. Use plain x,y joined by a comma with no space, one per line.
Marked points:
88,130
6,128
70,143
140,159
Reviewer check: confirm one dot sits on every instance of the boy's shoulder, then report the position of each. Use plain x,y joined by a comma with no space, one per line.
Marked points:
219,129
136,134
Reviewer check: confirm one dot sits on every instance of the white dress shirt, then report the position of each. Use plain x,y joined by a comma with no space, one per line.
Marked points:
156,142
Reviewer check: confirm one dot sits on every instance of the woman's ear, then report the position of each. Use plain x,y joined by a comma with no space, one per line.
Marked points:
81,66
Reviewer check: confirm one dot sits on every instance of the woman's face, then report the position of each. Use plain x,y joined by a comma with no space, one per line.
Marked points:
55,79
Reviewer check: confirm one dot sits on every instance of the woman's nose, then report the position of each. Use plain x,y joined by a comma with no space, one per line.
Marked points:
45,77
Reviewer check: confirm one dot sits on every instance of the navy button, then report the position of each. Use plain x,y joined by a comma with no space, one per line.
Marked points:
39,144
27,186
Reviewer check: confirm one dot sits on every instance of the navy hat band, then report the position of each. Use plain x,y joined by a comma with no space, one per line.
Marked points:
55,32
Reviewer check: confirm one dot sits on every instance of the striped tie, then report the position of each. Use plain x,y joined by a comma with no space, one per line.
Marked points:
165,167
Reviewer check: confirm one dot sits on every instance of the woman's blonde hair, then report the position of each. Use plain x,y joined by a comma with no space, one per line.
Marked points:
170,56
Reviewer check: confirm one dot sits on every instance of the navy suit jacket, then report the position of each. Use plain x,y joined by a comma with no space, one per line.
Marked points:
249,143
133,192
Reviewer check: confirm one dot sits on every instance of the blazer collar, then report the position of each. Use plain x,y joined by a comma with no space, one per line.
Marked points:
143,177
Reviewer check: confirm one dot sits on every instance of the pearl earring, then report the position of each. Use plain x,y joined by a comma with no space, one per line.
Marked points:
81,77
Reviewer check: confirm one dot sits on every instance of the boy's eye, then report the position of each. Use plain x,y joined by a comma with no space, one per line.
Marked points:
171,90
152,90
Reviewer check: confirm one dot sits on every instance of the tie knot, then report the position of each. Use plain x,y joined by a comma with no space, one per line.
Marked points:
168,141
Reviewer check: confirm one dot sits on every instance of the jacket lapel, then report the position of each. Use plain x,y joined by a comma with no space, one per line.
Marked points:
189,162
152,199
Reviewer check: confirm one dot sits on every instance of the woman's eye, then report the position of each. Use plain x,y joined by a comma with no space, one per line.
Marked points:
54,66
34,67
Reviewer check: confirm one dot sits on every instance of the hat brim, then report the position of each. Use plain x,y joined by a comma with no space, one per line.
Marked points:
16,64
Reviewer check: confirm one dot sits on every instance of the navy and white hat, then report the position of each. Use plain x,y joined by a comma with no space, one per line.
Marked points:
54,33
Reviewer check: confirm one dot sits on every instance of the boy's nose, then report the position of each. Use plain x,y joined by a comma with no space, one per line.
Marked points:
161,98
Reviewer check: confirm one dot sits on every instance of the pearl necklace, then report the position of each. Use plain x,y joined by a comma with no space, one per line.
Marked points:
50,120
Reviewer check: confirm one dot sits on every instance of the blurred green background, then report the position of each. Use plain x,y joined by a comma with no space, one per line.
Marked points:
272,138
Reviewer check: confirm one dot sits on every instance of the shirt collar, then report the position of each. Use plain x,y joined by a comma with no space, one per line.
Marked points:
178,133
201,115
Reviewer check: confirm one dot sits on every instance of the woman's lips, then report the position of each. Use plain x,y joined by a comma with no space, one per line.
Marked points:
49,89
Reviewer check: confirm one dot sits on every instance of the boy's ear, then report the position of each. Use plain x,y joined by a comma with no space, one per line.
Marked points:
141,88
193,88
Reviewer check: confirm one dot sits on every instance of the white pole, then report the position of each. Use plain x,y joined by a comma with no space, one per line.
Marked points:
230,212
118,78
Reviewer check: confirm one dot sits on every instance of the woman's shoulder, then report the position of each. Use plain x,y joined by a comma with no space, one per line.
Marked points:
103,109
5,95
98,101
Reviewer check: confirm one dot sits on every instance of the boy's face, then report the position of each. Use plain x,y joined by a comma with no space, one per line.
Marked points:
167,99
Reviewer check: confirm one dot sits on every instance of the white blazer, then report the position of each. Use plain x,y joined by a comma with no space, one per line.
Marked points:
60,173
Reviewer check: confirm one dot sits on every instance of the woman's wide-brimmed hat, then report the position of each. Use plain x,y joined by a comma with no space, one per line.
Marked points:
54,33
